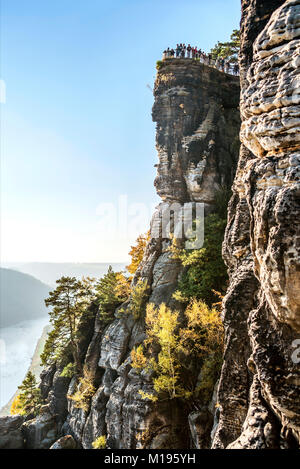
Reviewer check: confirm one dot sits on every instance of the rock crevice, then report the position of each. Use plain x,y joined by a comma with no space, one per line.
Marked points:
261,246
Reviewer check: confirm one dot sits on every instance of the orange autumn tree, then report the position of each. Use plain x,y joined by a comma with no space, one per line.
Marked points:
137,252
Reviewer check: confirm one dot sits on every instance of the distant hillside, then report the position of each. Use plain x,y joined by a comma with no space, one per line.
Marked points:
49,272
21,297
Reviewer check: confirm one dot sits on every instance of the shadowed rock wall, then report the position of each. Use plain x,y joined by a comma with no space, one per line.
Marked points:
259,387
197,116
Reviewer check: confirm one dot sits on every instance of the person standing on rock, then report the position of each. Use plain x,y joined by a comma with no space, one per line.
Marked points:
188,50
177,50
172,53
183,51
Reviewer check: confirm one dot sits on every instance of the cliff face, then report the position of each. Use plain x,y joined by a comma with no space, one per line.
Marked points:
196,110
196,114
259,388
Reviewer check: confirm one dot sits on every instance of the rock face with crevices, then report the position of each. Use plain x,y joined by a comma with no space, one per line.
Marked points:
259,387
197,116
11,436
256,404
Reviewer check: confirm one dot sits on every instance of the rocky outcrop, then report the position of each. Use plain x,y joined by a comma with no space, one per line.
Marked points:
259,387
11,436
196,110
197,116
256,404
42,431
65,442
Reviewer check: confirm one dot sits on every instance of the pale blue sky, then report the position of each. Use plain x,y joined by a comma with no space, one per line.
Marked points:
76,125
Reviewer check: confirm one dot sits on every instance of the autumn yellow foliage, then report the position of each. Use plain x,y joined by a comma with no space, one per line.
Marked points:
16,407
199,337
85,391
137,252
100,442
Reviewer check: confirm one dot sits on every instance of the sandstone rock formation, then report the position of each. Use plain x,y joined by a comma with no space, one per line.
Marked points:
197,121
11,436
259,387
65,442
196,110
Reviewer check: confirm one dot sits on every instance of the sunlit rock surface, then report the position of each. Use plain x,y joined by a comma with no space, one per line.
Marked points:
197,116
198,121
259,387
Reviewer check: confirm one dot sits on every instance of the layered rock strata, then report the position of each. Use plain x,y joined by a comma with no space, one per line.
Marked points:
197,116
259,387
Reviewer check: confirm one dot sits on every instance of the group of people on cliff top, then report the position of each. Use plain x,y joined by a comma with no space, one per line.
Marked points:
182,51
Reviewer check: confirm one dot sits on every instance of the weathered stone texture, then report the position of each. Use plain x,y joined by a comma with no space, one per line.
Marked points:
196,110
11,436
197,116
65,442
261,247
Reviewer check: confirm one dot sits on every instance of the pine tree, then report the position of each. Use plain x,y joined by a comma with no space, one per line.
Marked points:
28,401
69,301
228,50
112,290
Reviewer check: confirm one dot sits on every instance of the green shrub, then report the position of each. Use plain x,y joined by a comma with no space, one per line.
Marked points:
210,372
112,290
68,371
159,64
29,400
138,298
205,269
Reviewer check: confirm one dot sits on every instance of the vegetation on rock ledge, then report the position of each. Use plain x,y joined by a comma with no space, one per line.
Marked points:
70,301
228,50
198,339
100,442
137,252
28,401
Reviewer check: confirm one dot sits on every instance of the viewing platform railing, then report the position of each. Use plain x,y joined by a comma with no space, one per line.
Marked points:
229,69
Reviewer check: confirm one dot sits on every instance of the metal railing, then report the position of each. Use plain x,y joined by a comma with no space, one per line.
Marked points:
228,67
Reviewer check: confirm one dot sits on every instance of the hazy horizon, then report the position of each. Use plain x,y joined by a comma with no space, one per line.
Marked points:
49,272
